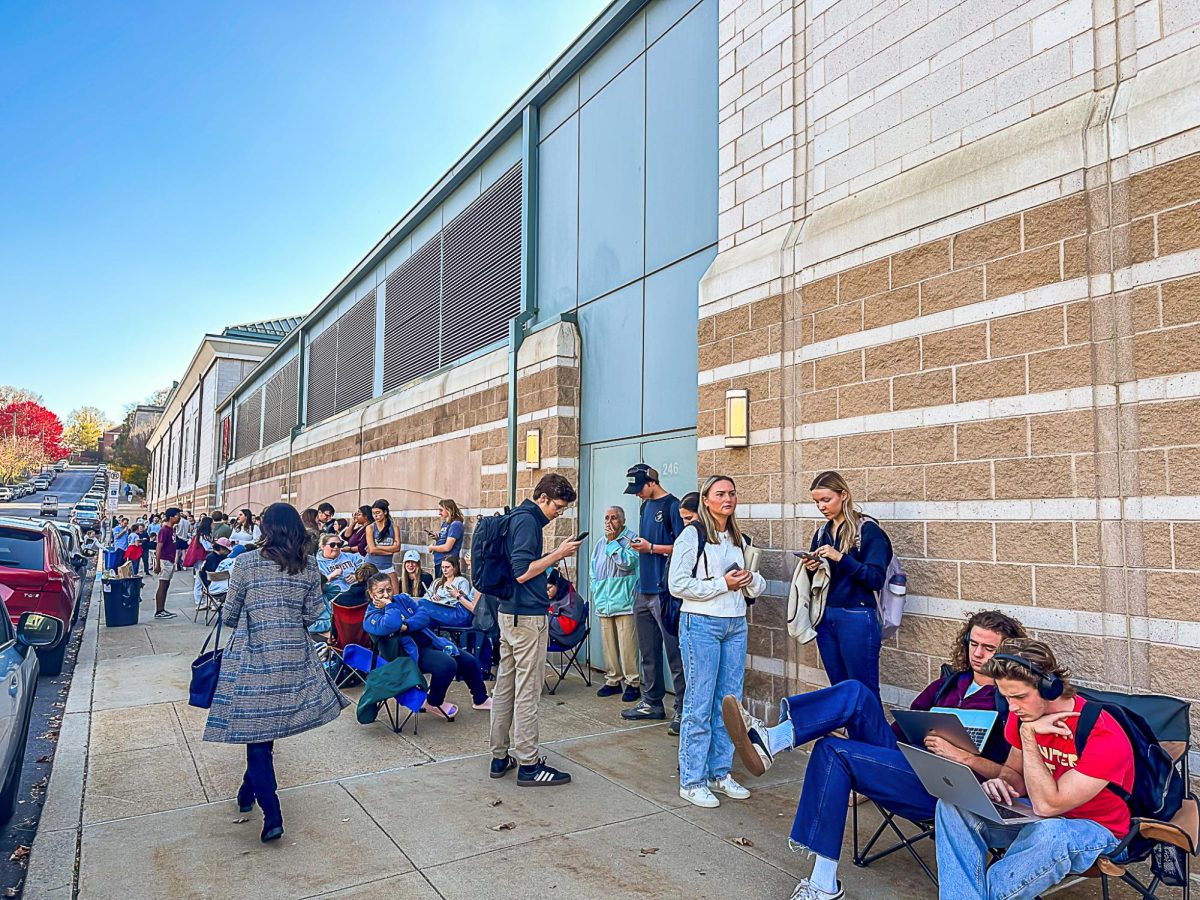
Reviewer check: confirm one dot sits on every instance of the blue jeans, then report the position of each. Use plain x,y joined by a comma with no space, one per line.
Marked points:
869,762
1037,856
714,660
848,640
448,616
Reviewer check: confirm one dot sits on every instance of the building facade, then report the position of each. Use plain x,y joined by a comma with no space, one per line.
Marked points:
949,248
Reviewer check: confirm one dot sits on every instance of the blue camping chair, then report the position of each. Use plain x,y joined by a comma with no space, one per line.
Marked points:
362,660
568,653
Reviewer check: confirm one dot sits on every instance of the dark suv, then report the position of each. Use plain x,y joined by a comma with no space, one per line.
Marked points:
35,565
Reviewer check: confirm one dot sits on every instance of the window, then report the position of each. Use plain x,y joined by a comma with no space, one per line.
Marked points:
22,549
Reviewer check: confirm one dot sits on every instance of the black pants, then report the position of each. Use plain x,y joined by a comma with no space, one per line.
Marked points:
652,638
442,668
259,782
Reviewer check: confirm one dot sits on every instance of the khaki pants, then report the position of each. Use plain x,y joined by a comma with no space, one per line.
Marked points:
518,688
618,635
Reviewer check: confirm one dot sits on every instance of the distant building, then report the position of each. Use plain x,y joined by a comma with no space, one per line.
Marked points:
108,439
144,419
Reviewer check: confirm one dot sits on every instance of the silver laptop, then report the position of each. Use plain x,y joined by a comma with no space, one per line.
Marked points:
956,784
918,724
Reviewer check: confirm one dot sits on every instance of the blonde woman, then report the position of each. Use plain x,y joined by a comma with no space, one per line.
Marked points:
712,638
450,534
858,552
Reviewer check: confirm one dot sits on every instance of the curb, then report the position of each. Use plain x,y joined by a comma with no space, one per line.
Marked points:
51,872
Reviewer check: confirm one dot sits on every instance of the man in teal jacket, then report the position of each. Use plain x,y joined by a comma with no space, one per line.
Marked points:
614,579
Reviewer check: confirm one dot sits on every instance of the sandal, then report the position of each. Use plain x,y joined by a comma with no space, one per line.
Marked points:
446,711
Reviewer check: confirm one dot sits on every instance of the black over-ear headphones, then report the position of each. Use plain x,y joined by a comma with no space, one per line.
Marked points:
1049,687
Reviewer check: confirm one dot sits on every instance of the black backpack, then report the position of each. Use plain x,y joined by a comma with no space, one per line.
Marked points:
491,570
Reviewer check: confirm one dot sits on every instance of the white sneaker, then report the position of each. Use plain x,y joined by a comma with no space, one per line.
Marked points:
749,736
729,788
805,890
700,796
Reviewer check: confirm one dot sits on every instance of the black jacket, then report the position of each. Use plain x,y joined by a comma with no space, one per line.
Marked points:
524,547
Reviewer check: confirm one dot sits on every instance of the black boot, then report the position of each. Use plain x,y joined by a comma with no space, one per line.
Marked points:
245,794
261,769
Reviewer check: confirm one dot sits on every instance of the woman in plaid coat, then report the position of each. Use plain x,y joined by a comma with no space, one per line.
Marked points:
272,684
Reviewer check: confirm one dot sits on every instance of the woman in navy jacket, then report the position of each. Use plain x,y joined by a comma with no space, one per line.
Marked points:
440,659
858,552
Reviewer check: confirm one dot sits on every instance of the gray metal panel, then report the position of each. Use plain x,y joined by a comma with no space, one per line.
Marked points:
429,227
558,221
681,139
672,315
611,184
612,365
229,373
662,14
558,108
619,52
497,165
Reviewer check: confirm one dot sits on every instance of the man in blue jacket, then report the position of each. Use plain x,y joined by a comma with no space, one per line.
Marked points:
524,634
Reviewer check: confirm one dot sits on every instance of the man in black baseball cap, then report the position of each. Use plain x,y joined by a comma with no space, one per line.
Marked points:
659,527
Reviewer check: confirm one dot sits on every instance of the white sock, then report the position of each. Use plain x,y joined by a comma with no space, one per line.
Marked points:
780,737
824,874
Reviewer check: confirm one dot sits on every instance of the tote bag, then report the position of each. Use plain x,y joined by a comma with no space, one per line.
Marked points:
206,669
195,553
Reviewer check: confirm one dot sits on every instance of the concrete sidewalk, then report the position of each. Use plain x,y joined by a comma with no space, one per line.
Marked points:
140,807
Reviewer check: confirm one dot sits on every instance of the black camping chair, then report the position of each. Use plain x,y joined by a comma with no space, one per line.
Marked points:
568,653
863,856
1169,719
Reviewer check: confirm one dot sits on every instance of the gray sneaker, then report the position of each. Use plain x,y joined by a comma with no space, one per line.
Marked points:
676,721
644,711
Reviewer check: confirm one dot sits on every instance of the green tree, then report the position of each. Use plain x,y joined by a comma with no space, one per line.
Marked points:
85,428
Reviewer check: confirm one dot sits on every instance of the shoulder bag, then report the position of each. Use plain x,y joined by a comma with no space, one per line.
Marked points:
206,670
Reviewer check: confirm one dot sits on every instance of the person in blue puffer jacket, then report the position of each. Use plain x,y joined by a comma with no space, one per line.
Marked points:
400,616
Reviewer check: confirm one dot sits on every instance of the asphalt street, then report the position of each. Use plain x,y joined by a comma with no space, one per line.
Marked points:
48,701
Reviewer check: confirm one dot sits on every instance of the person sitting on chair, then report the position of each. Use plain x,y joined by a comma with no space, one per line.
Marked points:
400,625
868,760
1080,795
450,601
335,564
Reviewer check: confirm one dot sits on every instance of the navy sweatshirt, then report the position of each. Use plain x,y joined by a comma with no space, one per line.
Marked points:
524,548
861,571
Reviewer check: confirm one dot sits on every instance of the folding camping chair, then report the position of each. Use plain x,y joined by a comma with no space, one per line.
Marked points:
362,660
863,856
1170,720
347,631
568,653
212,602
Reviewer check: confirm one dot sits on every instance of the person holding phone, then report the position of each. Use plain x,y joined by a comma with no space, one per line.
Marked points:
335,564
450,601
713,586
449,538
383,542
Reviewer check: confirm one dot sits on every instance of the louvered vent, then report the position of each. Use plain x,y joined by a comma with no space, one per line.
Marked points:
289,375
410,344
356,354
279,403
322,375
481,250
247,438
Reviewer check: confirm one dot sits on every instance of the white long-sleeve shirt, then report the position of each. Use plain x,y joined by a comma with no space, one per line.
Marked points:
707,594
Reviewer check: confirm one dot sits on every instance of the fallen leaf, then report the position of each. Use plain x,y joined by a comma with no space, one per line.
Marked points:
743,842
20,854
495,802
648,851
345,820
43,759
504,826
241,820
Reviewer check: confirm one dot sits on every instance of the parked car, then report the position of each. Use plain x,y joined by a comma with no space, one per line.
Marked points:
86,515
41,483
35,565
50,505
6,493
19,668
60,465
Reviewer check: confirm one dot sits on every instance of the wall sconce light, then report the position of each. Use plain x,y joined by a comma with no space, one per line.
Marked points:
737,418
533,448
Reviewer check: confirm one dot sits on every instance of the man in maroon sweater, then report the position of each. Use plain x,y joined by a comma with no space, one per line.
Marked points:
868,760
164,563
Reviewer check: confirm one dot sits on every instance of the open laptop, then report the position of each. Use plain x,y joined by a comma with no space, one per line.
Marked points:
956,784
966,729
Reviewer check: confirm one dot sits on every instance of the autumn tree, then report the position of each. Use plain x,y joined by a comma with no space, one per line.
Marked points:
29,420
11,394
85,428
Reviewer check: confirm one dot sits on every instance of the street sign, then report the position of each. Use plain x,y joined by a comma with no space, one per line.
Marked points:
114,493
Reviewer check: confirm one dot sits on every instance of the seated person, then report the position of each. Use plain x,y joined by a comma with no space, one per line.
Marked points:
90,544
450,600
218,554
1084,820
868,760
335,564
357,593
406,626
414,581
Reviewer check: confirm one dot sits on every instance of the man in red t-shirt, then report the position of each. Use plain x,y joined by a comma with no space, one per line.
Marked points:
1084,818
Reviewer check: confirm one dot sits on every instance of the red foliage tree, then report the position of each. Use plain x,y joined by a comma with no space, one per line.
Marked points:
34,421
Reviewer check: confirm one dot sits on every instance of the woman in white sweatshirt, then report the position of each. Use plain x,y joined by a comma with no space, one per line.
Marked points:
713,584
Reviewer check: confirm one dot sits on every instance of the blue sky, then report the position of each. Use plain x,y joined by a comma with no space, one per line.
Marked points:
167,169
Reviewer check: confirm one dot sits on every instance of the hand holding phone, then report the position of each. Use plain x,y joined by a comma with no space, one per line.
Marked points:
804,554
582,536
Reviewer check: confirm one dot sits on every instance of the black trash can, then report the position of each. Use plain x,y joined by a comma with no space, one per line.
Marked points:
122,598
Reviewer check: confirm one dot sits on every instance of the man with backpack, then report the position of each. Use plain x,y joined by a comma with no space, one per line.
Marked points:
659,527
868,760
1073,761
509,564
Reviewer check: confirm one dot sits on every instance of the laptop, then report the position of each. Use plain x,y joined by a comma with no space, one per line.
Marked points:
956,784
966,729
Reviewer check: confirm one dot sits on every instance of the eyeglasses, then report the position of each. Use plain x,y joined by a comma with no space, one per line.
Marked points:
332,544
560,505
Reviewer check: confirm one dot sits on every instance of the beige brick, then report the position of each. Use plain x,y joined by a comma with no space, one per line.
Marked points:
906,670
1023,272
928,578
819,406
987,242
959,481
925,389
864,399
958,345
991,439
1183,471
1141,240
733,321
1142,307
1172,595
837,321
926,634
819,454
1055,221
997,583
894,306
766,312
841,368
1167,352
1035,542
959,540
1064,432
983,381
766,458
924,445
1054,370
1181,301
862,281
718,353
1075,258
908,538
819,294
1148,544
1087,543
1174,671
1172,422
1027,332
896,483
950,291
765,414
1165,186
1043,476
896,358
861,450
1069,587
1179,230
1186,543
1079,322
919,263
751,345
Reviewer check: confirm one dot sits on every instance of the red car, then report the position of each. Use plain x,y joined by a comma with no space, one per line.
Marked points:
34,563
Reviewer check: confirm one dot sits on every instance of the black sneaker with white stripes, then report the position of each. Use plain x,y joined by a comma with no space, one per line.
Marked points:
541,775
164,614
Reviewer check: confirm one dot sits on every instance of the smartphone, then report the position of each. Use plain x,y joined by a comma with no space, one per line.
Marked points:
804,554
733,568
581,536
